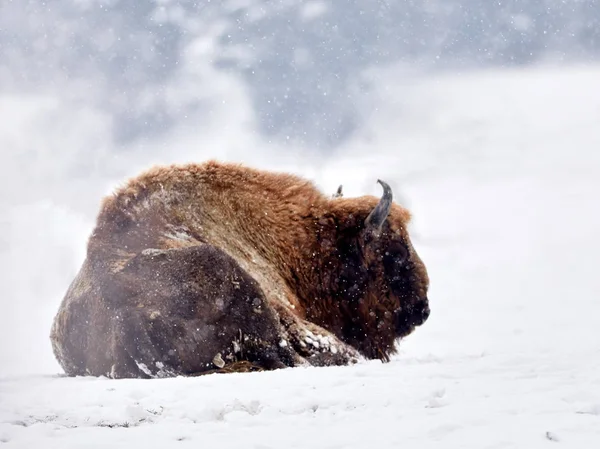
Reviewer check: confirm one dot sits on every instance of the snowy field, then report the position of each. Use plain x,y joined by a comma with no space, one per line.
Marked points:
501,170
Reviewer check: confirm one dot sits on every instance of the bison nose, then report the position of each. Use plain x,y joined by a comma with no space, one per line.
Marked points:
421,312
426,312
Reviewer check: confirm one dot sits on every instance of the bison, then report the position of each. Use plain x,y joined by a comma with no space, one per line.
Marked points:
217,267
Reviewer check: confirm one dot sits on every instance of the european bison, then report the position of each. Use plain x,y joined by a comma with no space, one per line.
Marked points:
218,267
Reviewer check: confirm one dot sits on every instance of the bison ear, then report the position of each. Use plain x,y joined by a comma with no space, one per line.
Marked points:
339,193
378,215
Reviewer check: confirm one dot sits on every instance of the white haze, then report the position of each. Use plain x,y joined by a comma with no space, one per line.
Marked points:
500,168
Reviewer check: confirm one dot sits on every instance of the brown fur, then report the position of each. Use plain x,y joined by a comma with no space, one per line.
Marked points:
213,266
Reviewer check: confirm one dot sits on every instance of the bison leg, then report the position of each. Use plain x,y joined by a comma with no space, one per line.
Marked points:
314,344
189,310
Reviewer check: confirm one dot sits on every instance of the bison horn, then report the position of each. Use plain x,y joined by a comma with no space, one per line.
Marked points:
378,215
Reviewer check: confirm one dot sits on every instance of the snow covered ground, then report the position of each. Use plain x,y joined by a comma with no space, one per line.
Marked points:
502,172
480,401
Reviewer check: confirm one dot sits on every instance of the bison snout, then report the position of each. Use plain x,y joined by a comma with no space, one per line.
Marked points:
426,311
411,316
420,312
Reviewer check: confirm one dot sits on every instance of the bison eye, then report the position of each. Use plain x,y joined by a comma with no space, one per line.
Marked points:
394,257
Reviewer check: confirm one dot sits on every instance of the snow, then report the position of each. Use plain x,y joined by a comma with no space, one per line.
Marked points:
502,173
483,401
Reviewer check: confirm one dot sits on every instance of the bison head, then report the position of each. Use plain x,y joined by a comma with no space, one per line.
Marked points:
380,284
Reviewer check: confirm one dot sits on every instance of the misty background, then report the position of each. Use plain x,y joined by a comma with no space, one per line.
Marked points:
484,117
